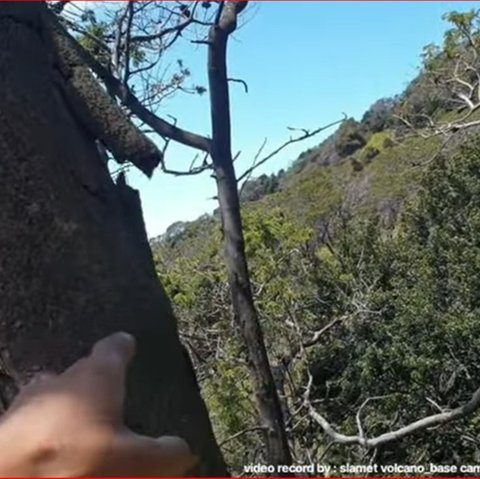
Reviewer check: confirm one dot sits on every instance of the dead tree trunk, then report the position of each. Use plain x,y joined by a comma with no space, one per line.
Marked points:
270,411
75,263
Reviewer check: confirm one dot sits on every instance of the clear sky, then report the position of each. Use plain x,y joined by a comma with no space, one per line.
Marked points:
305,64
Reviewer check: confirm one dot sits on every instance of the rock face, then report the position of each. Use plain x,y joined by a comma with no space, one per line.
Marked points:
75,263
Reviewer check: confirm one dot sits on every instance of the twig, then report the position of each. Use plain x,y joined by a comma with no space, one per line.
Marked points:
238,80
241,433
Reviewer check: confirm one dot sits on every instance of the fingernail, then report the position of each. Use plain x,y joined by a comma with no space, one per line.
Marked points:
119,342
127,337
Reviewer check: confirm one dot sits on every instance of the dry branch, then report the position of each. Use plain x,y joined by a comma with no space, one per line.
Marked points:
427,422
306,134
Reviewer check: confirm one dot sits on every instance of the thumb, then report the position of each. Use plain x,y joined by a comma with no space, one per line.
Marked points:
136,455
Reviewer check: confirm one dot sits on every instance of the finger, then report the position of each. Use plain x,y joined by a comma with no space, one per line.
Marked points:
136,455
40,383
100,377
114,353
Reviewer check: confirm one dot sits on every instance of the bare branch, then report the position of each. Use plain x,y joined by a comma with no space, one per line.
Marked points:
318,334
238,80
430,421
306,134
358,418
156,36
192,170
201,42
252,168
128,32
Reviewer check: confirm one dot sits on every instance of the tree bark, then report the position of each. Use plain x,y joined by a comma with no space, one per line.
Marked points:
75,263
246,316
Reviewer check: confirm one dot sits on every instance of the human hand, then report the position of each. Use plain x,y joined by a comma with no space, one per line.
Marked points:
70,425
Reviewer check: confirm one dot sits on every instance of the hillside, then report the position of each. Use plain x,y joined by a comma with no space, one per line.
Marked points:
365,265
376,174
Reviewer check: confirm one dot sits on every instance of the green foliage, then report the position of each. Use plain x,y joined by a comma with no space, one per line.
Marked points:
466,27
419,333
349,138
375,145
95,39
408,301
94,36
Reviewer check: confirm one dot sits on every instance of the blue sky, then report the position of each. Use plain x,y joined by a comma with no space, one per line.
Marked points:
305,63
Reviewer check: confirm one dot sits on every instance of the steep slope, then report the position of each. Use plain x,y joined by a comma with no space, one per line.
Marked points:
364,260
